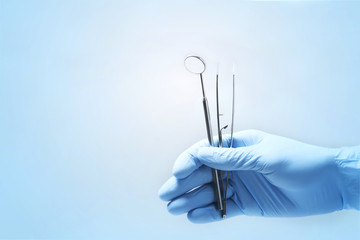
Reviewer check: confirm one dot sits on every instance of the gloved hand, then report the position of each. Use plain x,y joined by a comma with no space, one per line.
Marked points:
270,176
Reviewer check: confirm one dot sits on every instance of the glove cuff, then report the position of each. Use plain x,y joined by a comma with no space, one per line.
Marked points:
348,162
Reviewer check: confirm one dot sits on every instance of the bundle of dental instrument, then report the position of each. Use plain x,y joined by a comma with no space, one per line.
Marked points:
196,65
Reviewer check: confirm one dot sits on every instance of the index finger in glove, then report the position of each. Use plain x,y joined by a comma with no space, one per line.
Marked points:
187,162
175,187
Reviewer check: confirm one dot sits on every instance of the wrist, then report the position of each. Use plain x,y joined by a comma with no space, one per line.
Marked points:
347,160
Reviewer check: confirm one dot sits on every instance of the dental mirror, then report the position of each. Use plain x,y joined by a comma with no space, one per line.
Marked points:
195,64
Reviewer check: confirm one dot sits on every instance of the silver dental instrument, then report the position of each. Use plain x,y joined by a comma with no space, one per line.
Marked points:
233,108
231,134
196,65
218,114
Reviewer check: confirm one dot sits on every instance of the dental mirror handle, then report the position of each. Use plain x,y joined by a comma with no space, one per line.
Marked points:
211,142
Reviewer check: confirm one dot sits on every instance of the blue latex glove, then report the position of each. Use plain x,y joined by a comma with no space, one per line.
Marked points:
270,176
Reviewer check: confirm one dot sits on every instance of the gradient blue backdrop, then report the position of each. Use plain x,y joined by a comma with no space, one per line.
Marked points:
95,106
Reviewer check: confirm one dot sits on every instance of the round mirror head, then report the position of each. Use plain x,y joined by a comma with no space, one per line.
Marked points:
195,64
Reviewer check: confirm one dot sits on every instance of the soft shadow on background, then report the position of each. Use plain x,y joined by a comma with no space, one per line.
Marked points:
95,106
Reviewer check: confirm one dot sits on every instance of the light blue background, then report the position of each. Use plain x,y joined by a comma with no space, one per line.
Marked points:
95,106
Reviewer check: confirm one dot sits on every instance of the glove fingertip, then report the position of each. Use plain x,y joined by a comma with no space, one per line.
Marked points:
184,165
166,189
163,194
193,218
204,215
181,172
